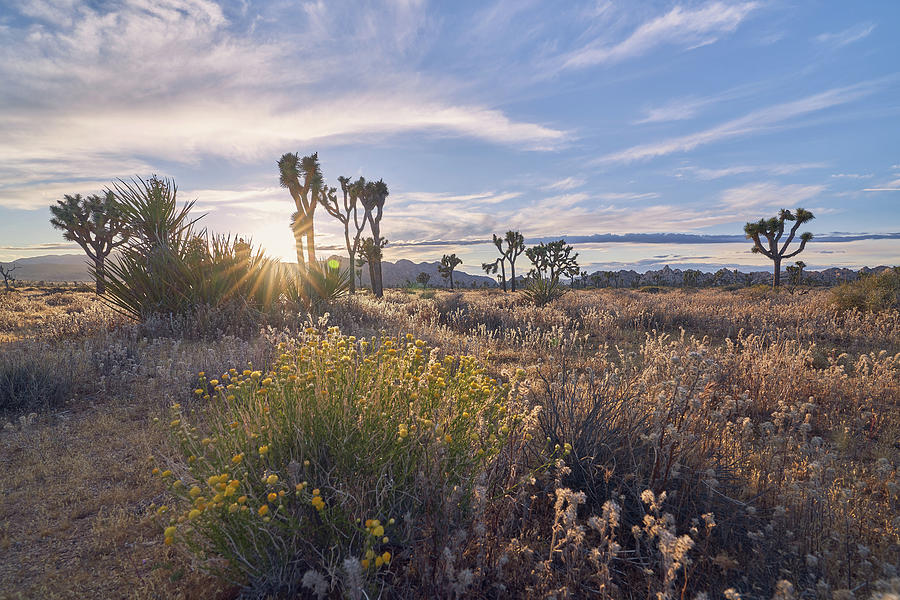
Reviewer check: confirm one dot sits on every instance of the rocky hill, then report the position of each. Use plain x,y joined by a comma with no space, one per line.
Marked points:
73,267
723,277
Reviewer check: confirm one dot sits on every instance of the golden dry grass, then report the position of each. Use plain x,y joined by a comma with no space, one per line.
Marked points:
76,490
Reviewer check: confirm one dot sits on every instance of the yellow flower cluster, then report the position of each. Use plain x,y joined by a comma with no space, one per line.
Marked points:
401,397
317,501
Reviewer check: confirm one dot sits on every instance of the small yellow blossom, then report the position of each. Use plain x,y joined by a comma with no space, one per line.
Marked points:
263,510
272,479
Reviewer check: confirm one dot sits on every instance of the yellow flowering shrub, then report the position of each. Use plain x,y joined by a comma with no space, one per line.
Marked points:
343,449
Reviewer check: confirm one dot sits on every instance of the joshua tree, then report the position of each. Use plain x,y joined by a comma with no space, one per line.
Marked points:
553,260
6,273
306,196
515,246
773,229
372,195
492,268
348,215
795,272
449,262
96,223
423,278
371,254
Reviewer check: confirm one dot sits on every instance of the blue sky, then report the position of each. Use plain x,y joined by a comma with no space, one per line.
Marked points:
554,118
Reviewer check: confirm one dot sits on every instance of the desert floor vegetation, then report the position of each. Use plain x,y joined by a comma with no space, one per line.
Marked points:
610,443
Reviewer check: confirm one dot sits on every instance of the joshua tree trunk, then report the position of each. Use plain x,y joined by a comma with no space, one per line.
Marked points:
298,242
451,280
380,292
100,275
372,283
776,281
311,243
503,273
352,272
512,275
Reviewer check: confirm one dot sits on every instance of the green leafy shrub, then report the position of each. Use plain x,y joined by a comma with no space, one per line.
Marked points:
880,291
541,291
340,461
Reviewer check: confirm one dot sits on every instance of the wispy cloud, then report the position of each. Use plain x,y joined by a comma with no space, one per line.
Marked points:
768,195
852,175
846,36
707,174
569,183
675,110
754,122
685,27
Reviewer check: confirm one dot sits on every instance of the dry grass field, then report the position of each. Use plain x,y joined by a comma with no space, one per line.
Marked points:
743,443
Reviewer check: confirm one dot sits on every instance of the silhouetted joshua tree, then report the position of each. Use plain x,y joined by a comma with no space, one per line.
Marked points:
94,223
306,196
423,278
372,195
515,246
491,268
553,260
449,262
773,229
371,253
348,214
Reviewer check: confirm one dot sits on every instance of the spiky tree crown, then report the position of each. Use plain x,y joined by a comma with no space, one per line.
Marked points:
93,222
773,229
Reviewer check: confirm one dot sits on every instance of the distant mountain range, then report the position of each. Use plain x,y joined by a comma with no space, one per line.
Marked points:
74,267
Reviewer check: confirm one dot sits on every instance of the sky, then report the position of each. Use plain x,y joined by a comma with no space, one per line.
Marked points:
609,123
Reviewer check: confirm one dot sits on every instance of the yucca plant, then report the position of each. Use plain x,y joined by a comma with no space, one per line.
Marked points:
317,286
541,291
171,268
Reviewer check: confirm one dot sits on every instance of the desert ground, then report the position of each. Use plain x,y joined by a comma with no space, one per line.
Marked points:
770,420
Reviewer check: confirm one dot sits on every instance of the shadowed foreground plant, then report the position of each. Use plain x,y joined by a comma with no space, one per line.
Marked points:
344,460
168,268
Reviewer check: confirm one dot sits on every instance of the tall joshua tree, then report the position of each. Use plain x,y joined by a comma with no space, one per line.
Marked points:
306,196
373,195
515,246
95,223
773,229
449,262
348,214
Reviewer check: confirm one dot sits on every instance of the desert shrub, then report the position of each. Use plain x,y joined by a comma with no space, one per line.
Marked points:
30,383
637,428
338,464
875,292
541,291
653,289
